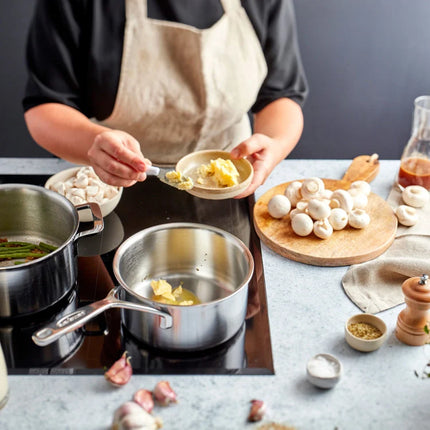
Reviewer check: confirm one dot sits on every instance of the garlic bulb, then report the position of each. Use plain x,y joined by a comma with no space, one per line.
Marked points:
130,416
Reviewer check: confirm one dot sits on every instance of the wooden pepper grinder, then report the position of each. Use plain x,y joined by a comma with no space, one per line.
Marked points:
412,320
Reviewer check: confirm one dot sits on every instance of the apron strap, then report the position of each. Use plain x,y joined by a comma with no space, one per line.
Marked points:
230,5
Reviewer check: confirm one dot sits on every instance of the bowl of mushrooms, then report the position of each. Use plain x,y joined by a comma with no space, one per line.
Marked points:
81,185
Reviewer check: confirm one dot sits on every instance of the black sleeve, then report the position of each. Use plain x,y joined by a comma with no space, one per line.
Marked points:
278,35
52,56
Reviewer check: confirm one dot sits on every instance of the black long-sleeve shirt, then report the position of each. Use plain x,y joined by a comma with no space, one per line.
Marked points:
74,49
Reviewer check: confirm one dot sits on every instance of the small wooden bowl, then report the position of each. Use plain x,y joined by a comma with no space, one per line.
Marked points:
366,345
189,165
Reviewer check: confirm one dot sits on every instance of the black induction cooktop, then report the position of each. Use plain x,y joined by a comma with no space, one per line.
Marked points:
92,349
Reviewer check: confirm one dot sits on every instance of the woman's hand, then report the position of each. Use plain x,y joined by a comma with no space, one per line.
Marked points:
263,153
117,159
277,129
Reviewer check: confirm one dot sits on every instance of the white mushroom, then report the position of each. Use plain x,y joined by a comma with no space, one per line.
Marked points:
278,206
318,209
359,198
312,187
415,196
358,218
292,192
327,194
323,229
362,186
338,218
302,224
342,199
406,215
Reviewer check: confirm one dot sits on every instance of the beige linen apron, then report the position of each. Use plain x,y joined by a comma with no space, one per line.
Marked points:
183,89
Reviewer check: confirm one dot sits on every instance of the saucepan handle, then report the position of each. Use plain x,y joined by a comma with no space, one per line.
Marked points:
97,219
81,316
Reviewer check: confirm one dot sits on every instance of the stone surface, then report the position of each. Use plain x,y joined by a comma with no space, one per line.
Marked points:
307,310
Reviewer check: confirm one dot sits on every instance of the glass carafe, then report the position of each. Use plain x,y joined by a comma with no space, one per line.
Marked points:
415,160
4,387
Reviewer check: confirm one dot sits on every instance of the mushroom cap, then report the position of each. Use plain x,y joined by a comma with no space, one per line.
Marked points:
344,199
302,224
292,192
318,209
415,196
323,229
278,206
359,198
358,218
312,187
406,215
362,186
338,218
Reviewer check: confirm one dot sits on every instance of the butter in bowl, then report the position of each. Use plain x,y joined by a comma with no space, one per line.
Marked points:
82,185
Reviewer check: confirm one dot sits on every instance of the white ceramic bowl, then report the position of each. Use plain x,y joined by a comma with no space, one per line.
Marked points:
365,345
324,371
84,215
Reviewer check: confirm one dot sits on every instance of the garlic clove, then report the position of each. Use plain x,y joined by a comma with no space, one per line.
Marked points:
120,372
163,393
144,399
257,411
130,416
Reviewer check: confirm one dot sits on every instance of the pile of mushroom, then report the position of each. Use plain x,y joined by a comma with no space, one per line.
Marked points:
413,196
313,208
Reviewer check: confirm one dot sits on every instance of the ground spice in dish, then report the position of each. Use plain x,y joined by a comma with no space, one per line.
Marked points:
364,330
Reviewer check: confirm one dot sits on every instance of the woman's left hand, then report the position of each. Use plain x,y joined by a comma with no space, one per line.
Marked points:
263,153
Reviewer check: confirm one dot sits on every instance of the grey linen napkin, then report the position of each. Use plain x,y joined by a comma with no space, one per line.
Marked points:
375,285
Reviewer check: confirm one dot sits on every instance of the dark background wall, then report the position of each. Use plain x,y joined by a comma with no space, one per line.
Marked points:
366,61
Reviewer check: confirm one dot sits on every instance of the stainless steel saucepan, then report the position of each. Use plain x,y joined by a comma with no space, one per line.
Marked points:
34,214
213,264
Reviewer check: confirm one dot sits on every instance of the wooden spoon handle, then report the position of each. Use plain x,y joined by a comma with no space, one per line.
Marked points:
362,168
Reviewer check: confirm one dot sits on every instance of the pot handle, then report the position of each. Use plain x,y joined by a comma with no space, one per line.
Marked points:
78,318
97,218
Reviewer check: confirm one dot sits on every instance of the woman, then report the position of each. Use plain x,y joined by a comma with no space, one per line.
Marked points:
122,84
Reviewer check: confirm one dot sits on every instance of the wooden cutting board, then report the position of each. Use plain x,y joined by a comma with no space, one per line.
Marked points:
344,247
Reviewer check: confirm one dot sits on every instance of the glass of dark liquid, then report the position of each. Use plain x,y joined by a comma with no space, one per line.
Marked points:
415,160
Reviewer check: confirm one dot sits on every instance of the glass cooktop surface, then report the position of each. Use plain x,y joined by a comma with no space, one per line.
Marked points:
94,348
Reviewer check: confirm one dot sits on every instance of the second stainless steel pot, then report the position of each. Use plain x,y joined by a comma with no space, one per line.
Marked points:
34,214
213,264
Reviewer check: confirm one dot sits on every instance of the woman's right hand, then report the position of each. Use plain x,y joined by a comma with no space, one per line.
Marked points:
117,159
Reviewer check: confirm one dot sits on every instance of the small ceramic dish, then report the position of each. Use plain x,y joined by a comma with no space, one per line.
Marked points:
359,338
190,164
324,371
106,206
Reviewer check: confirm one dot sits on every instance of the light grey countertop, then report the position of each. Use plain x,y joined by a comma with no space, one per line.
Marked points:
307,311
